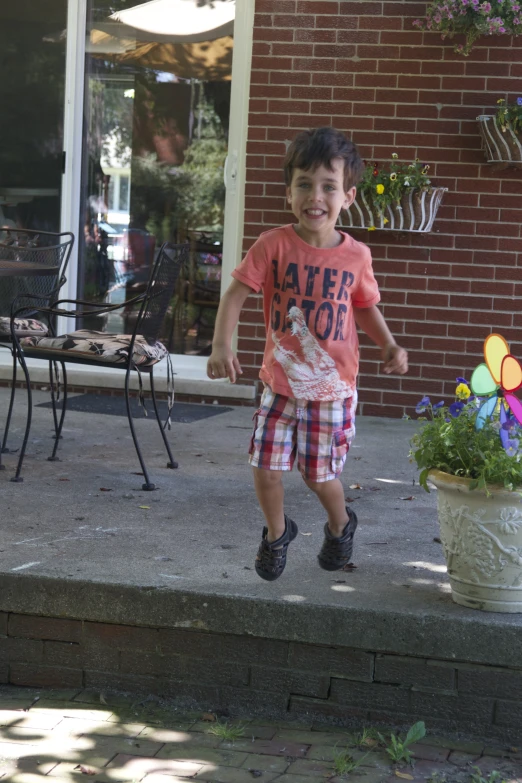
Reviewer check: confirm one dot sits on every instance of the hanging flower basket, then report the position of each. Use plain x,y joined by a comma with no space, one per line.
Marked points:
472,19
501,146
415,211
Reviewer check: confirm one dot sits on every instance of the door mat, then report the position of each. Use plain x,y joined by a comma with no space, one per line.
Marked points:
182,412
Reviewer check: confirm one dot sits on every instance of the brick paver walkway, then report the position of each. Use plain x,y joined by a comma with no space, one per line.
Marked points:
74,735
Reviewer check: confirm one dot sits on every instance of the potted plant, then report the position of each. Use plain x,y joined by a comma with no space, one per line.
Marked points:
472,19
398,196
471,451
502,133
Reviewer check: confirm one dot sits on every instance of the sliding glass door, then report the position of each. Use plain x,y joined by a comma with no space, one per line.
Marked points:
156,126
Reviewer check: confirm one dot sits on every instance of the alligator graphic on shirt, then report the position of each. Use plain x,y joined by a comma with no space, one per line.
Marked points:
311,372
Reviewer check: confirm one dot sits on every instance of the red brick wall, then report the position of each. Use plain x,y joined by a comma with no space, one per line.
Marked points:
361,67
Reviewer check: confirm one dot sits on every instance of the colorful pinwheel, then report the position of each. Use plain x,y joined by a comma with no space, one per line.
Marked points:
498,378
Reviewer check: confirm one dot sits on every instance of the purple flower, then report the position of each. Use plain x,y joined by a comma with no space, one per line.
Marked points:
438,405
519,101
462,380
422,405
509,425
455,409
512,447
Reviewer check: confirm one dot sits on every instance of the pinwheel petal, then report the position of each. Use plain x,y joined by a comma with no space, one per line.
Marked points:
485,411
515,405
495,349
482,381
511,373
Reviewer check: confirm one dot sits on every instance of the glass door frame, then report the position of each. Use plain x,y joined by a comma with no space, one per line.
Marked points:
235,166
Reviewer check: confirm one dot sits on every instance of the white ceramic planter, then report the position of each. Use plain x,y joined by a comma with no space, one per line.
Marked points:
482,541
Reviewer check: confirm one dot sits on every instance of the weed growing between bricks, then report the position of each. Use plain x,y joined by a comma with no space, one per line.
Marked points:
64,734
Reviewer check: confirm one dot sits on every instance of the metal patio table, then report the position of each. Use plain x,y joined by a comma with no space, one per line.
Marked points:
10,268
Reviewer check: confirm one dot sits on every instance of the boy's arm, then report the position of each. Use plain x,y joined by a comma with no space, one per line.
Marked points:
223,363
371,321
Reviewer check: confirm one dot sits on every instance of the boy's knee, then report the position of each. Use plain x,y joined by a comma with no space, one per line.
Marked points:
315,486
267,478
321,488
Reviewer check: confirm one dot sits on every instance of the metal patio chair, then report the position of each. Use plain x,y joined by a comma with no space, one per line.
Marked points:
139,351
32,271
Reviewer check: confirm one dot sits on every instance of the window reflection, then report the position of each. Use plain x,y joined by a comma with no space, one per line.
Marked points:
156,128
32,46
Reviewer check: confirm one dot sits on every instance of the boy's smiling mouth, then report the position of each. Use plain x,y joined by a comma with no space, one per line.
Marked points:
315,212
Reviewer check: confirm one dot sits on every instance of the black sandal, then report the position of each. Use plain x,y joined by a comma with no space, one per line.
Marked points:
271,556
337,552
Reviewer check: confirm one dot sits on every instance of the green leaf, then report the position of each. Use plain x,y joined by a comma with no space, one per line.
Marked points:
423,479
416,733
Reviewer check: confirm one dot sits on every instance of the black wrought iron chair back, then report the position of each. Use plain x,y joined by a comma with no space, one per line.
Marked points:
32,272
160,290
138,351
22,252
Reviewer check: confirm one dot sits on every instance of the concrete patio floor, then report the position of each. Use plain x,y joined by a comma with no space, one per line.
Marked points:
200,529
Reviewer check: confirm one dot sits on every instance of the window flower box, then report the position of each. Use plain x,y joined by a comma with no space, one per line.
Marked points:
502,134
415,211
396,197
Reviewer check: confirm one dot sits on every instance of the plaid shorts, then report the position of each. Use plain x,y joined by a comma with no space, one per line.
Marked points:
319,433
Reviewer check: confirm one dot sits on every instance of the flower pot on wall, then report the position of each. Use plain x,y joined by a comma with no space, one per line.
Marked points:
482,541
499,146
415,212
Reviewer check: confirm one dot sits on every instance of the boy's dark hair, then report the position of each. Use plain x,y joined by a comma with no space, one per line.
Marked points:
319,146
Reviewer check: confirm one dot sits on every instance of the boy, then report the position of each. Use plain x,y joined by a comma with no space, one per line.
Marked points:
317,284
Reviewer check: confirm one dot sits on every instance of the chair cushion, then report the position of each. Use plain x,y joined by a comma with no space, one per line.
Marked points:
23,326
100,347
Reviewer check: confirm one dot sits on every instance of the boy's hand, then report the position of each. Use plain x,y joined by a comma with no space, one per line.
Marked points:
395,359
223,363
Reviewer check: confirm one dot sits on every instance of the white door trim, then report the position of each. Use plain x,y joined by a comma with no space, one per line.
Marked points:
72,140
235,167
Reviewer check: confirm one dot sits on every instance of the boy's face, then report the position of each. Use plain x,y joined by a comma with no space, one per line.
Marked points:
316,196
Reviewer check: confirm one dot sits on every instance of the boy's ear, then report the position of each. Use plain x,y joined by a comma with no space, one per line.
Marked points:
289,195
350,197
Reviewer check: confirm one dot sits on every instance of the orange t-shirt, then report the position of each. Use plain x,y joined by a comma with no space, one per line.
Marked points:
312,349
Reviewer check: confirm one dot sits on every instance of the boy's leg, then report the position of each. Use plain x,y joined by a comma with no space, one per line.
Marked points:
280,530
272,450
324,435
331,497
270,494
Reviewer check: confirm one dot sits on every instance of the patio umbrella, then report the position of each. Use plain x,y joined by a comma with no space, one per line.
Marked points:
209,61
177,36
179,21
